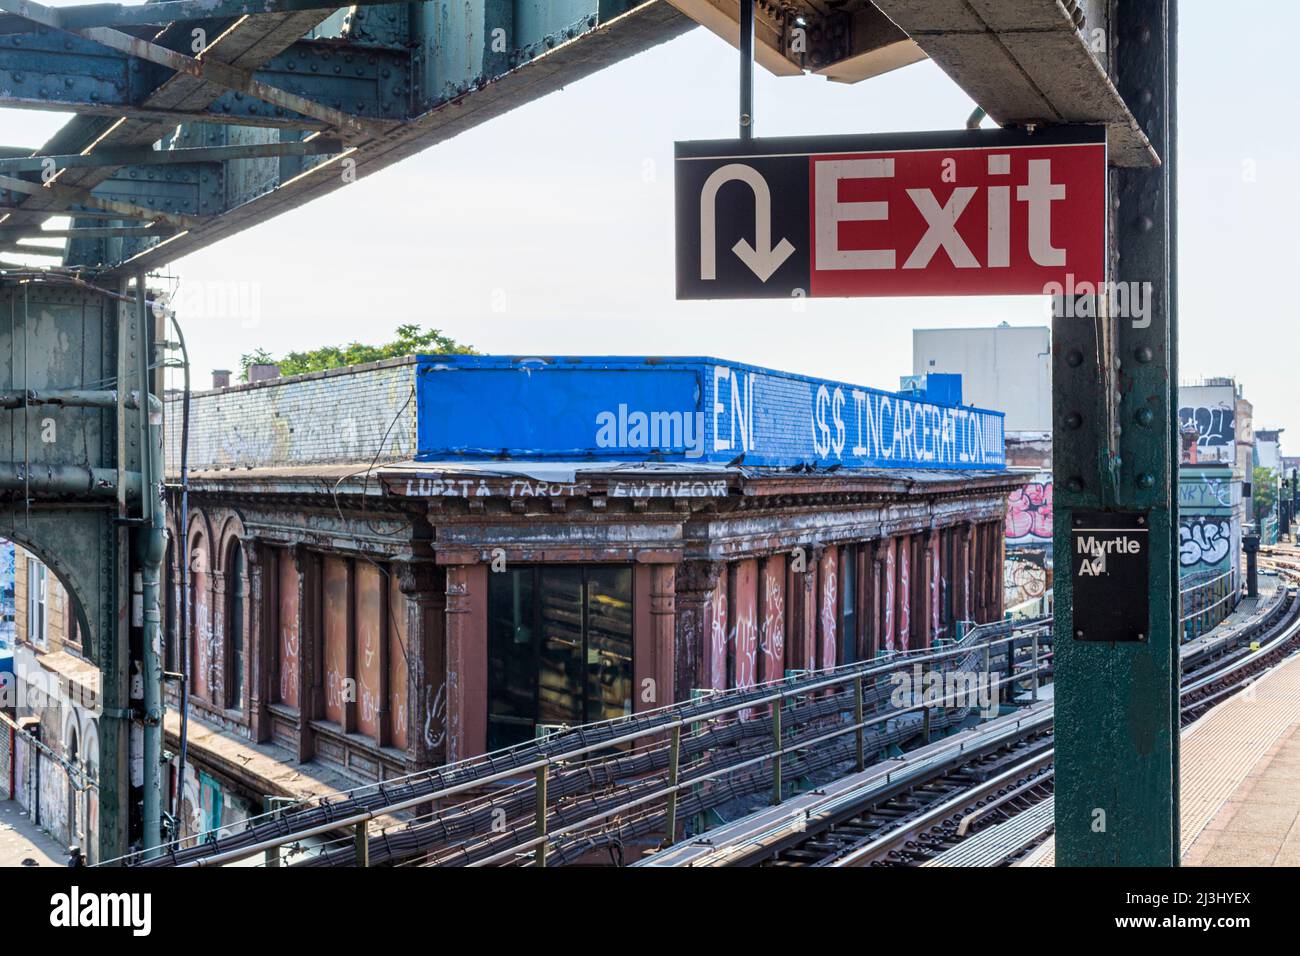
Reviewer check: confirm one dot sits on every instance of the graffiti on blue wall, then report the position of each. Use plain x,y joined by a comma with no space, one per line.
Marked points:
688,409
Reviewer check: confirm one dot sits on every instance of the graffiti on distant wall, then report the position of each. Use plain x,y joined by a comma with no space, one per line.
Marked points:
1207,491
890,561
829,606
1215,429
744,638
1029,512
936,587
1024,575
435,716
1203,541
771,639
718,638
904,595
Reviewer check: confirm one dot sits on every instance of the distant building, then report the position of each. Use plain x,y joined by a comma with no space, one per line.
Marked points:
396,565
1007,368
1268,448
54,763
6,616
1210,521
1217,424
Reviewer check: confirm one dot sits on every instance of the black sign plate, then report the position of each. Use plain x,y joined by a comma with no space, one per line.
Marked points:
1110,570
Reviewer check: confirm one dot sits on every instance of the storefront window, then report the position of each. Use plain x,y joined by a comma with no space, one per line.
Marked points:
559,648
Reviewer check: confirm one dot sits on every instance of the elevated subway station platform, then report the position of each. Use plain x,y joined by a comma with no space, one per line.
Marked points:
1240,797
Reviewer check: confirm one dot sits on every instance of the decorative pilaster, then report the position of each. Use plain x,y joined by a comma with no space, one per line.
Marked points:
467,704
695,586
422,587
261,643
217,637
652,641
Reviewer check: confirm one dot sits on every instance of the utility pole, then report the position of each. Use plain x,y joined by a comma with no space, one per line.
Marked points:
1115,463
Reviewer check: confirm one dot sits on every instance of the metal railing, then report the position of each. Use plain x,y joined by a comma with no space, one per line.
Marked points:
644,775
1205,602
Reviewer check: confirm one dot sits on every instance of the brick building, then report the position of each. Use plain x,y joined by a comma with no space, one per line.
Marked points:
415,561
53,759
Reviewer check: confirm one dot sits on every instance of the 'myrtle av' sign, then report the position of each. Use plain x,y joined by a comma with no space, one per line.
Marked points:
973,212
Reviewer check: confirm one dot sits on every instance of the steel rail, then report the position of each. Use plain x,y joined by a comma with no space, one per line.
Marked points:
1281,618
648,724
833,809
898,838
1285,633
605,808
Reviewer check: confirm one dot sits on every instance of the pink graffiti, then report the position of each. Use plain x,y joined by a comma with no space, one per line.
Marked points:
905,612
1029,512
935,587
889,600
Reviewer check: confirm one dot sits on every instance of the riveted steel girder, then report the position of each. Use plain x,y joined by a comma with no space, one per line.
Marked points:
390,78
1117,703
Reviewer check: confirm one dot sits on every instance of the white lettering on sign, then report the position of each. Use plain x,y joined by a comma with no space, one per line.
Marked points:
1097,549
690,488
890,428
830,212
940,217
955,213
1040,194
737,414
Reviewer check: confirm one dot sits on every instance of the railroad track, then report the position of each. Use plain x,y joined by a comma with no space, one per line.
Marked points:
606,785
986,799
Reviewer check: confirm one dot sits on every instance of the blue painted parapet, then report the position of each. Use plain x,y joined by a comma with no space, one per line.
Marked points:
686,409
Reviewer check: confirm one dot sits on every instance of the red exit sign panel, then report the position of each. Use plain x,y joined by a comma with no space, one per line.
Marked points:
976,212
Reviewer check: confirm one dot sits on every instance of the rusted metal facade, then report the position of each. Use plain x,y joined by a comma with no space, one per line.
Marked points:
361,608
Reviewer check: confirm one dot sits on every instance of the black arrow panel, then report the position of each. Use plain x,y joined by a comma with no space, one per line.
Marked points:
736,219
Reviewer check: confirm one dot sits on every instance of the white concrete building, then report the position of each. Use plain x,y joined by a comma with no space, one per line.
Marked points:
1007,368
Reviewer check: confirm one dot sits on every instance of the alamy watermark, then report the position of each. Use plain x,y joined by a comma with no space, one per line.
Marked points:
1088,300
43,689
219,300
976,690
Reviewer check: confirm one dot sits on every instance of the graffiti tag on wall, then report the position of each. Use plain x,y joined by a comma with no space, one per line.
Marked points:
1203,541
1029,512
1215,429
1024,575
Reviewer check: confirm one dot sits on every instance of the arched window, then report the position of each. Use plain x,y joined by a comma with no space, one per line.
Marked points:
235,603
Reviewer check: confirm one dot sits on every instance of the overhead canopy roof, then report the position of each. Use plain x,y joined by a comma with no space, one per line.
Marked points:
195,119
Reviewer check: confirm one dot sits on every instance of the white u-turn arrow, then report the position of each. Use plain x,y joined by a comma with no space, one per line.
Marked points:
762,258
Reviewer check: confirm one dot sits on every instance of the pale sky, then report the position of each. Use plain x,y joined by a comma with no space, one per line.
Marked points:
550,230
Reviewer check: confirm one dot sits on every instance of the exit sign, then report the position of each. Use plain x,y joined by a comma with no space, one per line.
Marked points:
972,212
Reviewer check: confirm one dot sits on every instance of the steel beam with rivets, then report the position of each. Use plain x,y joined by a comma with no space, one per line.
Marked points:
1117,727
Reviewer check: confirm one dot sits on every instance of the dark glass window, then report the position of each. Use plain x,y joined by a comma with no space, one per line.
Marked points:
849,605
559,648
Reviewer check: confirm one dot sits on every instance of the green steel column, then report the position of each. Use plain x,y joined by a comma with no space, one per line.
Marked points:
1115,449
115,719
